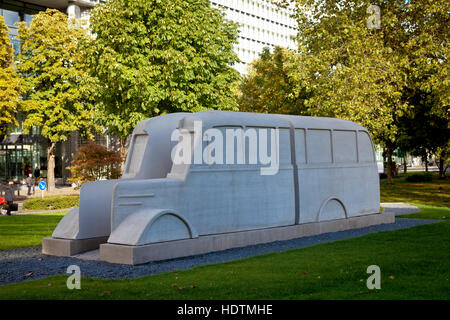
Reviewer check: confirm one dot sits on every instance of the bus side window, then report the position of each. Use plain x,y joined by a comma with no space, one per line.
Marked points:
365,149
232,145
300,154
137,153
284,145
344,146
258,143
319,145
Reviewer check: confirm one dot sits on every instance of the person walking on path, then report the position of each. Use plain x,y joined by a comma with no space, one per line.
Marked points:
29,183
9,196
37,175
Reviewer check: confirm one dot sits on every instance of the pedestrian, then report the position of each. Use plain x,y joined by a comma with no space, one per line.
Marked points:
37,175
9,196
27,170
29,183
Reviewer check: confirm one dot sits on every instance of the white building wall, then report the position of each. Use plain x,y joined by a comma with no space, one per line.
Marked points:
262,24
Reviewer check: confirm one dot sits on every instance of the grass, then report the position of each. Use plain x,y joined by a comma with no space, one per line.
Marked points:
434,193
430,212
414,262
27,230
51,203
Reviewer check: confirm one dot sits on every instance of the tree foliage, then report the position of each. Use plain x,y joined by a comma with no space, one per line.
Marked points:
152,57
53,73
371,75
268,88
10,86
94,162
423,131
52,69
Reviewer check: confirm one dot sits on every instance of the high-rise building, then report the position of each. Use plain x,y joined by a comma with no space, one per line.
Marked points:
262,24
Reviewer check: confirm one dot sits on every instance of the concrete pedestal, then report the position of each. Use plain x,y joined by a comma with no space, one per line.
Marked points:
123,254
69,247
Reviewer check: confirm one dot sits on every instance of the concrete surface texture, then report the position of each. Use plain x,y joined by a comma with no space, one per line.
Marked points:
325,171
399,208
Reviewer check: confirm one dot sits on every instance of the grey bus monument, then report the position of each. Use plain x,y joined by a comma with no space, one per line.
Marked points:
214,180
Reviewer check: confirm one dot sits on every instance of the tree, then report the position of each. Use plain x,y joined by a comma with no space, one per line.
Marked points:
361,68
152,57
10,86
94,162
423,132
53,73
268,88
443,154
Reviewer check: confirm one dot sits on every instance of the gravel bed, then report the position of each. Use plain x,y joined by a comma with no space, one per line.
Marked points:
29,263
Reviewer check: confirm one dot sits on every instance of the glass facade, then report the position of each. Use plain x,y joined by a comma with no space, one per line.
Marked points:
20,152
11,20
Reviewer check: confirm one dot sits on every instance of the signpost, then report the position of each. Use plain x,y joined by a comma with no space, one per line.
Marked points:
42,186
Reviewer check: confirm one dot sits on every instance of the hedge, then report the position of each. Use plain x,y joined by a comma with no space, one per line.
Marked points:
417,177
51,203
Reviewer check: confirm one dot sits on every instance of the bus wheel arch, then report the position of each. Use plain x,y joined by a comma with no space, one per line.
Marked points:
332,206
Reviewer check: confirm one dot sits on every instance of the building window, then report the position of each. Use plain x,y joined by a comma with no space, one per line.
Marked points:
11,18
27,18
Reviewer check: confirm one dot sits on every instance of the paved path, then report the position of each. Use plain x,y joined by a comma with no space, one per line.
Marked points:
399,208
21,213
418,169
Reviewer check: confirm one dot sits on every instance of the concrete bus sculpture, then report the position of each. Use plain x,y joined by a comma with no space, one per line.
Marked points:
326,180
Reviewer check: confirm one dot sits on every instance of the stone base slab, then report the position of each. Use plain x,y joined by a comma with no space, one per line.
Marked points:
70,247
124,254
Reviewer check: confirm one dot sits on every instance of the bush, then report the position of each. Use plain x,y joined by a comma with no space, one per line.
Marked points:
427,177
94,162
51,203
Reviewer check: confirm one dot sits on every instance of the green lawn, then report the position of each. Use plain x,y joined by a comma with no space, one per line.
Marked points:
435,193
27,230
414,262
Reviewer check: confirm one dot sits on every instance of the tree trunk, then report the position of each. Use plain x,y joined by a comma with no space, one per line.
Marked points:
425,156
441,169
404,163
390,178
51,150
123,154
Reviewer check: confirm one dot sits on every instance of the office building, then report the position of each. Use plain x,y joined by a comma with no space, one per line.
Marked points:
262,24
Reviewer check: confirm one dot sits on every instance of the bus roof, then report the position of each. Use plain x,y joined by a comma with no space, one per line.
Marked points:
215,118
